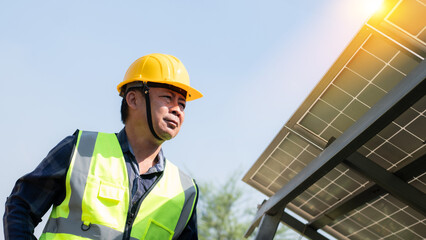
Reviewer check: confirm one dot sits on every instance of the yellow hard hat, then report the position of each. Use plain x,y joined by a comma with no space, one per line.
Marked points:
160,68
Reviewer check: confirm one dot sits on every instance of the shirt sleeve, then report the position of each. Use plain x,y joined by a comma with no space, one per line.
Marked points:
35,192
191,232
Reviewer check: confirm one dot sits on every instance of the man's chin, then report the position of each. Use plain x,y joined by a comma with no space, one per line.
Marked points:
167,136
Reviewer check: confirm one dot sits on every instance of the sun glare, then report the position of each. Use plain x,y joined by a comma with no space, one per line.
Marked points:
372,6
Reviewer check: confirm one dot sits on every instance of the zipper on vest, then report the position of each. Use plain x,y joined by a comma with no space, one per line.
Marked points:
130,218
135,208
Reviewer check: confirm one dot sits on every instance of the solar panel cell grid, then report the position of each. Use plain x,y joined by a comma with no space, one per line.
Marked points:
306,157
420,106
290,148
417,127
385,207
329,190
409,16
316,125
297,140
371,95
347,183
379,160
267,172
369,71
336,97
398,141
355,109
361,218
420,183
419,229
350,82
262,180
406,141
347,227
391,226
407,234
337,191
375,142
380,48
316,207
289,173
389,131
275,165
386,218
357,88
406,117
388,78
403,63
317,192
297,166
289,158
388,227
281,180
324,111
283,157
301,199
359,179
390,153
404,218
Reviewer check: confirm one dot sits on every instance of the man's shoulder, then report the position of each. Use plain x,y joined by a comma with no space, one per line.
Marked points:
182,173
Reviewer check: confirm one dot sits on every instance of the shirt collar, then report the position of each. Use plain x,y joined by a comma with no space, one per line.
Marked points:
126,148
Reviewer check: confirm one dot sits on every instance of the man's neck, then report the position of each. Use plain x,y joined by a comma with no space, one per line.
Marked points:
145,148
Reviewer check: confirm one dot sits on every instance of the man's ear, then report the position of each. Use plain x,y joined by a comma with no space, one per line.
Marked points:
132,99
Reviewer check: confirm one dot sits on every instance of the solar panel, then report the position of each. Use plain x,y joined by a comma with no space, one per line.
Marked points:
385,217
388,48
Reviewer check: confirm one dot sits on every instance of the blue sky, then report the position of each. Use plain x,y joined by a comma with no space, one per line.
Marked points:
254,61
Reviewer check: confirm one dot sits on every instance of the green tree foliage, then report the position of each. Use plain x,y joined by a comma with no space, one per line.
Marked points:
223,213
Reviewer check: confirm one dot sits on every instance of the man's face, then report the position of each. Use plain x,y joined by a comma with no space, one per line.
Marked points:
167,109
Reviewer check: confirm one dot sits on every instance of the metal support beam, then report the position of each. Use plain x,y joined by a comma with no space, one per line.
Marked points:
414,169
301,228
398,100
268,226
406,193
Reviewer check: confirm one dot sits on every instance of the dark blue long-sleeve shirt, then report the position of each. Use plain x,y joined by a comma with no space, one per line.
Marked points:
35,192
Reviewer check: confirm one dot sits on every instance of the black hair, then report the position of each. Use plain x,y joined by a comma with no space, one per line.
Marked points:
124,110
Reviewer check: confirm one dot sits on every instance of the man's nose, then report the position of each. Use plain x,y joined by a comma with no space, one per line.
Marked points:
175,109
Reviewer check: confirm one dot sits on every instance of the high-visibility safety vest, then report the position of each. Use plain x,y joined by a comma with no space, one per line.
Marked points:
96,205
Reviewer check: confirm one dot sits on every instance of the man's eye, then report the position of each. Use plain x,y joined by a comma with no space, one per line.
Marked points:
182,106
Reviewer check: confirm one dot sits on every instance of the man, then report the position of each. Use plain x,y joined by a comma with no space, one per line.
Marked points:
116,186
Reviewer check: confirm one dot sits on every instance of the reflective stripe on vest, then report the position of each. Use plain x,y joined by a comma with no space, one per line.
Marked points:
97,196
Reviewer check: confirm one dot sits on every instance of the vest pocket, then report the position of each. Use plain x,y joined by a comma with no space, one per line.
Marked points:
157,231
104,203
110,192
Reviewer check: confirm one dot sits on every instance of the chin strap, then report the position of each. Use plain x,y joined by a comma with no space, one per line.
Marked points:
148,111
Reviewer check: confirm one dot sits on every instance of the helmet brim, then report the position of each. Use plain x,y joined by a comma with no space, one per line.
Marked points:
192,93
